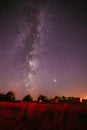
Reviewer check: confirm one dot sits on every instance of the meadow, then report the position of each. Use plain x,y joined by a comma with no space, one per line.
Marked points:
42,116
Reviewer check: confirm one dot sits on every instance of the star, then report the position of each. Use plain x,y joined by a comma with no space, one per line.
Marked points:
54,80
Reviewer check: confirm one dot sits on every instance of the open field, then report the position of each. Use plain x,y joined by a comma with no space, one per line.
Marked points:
40,116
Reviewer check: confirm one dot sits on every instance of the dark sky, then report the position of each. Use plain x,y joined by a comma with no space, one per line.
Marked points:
43,47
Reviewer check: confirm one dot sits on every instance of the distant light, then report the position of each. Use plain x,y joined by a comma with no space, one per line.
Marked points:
81,100
85,97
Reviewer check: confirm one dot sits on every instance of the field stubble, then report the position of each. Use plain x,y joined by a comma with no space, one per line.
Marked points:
42,116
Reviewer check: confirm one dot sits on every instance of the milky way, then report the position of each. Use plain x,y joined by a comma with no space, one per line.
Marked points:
43,47
22,27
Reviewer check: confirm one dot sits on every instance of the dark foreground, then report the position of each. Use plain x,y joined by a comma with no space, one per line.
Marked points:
36,116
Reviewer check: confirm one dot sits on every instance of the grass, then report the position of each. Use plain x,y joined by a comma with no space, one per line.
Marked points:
41,116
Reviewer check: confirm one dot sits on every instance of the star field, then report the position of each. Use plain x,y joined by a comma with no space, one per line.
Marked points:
43,47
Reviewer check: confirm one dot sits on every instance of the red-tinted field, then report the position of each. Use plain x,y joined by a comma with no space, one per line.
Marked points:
39,116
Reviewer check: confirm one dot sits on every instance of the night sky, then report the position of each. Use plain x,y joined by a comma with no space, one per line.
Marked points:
43,47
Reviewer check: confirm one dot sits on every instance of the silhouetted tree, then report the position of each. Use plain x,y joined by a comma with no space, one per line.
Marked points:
60,99
43,98
2,96
28,98
10,96
70,99
64,99
57,98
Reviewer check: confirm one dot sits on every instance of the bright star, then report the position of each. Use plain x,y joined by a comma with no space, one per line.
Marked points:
54,80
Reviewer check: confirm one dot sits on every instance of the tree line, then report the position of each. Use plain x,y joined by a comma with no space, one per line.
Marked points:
10,96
